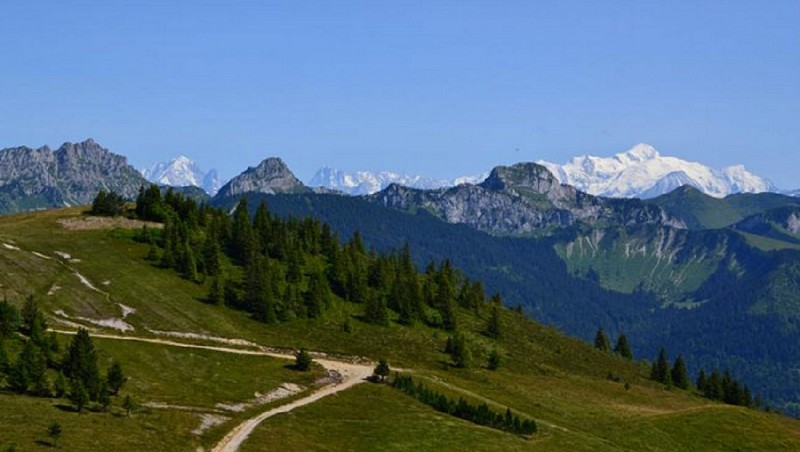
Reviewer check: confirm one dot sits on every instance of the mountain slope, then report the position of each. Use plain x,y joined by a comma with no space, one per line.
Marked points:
71,175
182,172
561,382
643,172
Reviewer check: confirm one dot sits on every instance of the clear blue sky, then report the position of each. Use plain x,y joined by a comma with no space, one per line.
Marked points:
431,87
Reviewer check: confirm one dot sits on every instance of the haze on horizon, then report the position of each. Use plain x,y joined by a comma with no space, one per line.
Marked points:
441,90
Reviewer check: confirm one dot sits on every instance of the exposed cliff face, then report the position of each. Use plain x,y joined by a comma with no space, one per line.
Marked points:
71,175
522,199
271,176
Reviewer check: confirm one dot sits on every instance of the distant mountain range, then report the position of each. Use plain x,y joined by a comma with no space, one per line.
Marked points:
640,172
644,173
183,172
367,182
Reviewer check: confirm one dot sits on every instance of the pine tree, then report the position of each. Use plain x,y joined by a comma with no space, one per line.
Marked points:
128,405
462,355
104,396
317,296
60,386
32,319
376,311
660,371
623,348
303,360
494,360
216,292
78,395
601,341
714,389
80,364
115,378
9,320
382,370
680,378
494,326
4,362
702,381
54,432
29,371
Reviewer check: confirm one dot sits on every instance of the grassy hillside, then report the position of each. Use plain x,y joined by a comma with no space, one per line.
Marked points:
701,211
561,382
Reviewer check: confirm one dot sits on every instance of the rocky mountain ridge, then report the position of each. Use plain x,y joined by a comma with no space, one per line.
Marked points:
522,199
71,175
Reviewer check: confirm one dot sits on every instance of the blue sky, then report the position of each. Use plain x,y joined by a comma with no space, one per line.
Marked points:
436,88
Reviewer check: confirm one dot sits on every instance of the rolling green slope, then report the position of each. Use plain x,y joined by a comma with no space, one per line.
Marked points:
701,211
559,381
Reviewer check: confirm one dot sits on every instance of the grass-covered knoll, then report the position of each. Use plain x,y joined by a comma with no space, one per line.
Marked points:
701,211
560,382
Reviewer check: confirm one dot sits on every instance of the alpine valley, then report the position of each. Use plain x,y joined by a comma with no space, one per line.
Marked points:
483,292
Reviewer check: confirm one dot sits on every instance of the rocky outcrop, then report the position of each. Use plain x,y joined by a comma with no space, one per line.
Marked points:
271,176
522,199
71,175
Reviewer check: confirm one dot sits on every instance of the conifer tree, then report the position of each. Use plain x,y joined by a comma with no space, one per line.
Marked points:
128,405
4,363
623,348
494,360
702,381
78,395
60,387
382,370
303,360
714,389
494,326
216,292
680,378
54,432
376,311
462,355
80,364
9,319
601,341
242,241
660,371
115,378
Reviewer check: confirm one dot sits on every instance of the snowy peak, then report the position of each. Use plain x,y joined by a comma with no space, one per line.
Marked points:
181,171
367,182
644,173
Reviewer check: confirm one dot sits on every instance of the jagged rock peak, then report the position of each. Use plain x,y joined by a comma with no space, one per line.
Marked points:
271,176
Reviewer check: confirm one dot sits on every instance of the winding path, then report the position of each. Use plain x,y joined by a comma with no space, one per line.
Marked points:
350,375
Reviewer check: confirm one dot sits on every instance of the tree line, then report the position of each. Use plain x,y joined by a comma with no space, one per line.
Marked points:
280,269
477,414
77,376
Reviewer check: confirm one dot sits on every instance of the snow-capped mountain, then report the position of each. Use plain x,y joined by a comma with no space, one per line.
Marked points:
643,172
182,171
366,182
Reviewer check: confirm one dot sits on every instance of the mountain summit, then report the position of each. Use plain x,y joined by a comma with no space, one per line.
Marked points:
271,176
643,172
181,171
